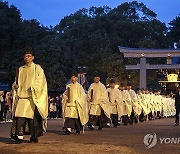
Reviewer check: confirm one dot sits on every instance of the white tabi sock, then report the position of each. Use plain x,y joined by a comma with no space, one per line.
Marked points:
20,137
108,124
69,129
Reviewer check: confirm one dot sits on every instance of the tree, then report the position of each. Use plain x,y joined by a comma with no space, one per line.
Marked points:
88,37
175,30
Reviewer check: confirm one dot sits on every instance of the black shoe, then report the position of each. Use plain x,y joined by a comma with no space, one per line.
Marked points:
99,128
17,140
33,140
66,131
90,127
77,132
136,121
125,124
14,137
36,140
141,120
176,124
107,126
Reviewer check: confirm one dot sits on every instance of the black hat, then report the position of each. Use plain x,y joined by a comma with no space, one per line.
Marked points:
150,89
96,74
155,90
28,50
112,81
128,84
74,73
122,85
138,89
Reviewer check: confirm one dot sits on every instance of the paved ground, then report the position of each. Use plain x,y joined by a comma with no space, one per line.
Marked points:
124,139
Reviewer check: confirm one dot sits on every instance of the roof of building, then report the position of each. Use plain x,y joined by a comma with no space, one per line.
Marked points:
145,52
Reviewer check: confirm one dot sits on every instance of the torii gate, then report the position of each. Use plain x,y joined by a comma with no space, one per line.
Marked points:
149,53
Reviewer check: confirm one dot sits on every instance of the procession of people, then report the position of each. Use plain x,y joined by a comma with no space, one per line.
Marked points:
112,107
101,106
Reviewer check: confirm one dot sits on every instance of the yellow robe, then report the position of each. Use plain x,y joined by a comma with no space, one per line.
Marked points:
115,101
141,100
77,107
134,100
165,106
151,104
148,102
32,92
126,106
100,100
144,105
160,103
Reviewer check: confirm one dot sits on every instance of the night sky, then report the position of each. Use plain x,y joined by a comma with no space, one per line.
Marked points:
50,12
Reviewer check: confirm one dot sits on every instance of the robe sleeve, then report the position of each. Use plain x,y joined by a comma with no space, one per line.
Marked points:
105,104
128,98
39,92
104,95
82,106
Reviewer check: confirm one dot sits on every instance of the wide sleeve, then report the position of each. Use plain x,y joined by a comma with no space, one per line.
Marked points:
40,92
82,106
104,101
104,94
128,99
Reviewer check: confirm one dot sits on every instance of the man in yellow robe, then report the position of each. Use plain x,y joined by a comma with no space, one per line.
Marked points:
134,102
144,106
159,104
126,105
74,106
30,99
115,102
151,104
99,107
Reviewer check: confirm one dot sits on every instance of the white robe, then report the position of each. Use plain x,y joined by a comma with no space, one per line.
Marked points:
158,103
134,100
165,106
77,105
99,99
152,104
147,103
126,105
115,101
32,92
142,102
